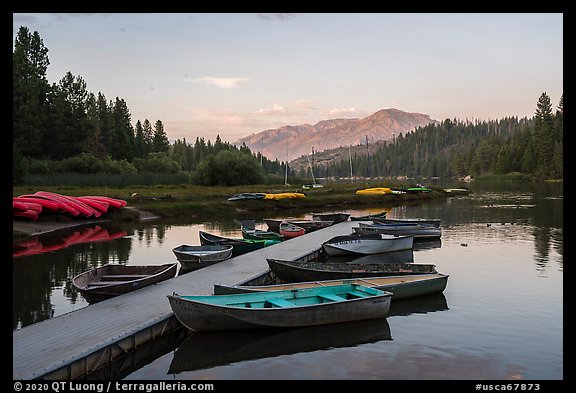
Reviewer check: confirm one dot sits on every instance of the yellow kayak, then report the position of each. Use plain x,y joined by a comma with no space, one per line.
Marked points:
284,195
374,191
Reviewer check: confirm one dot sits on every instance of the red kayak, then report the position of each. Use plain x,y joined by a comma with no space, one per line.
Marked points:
101,206
29,214
46,204
84,209
114,203
19,206
34,206
62,206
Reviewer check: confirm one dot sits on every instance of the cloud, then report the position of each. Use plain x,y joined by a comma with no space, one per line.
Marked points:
304,104
342,111
223,83
279,16
275,110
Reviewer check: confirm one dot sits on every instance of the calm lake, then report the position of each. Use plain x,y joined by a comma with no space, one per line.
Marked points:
500,317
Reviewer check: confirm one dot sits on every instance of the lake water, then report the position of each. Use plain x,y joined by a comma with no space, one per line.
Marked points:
500,317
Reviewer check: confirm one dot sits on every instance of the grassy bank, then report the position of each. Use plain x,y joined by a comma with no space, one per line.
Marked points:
200,201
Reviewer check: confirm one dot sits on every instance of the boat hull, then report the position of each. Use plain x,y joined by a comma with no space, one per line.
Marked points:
93,287
313,271
201,316
196,257
343,245
401,287
416,230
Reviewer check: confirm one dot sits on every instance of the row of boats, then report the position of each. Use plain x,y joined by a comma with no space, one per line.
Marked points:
308,293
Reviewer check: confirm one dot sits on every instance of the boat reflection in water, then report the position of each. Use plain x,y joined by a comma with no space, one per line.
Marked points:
418,305
210,349
203,350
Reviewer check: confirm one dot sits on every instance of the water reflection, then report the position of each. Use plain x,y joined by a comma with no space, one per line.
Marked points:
418,305
210,349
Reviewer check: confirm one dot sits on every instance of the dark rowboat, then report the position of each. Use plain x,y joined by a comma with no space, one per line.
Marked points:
336,218
110,280
196,257
317,271
290,308
259,234
239,245
419,231
426,221
368,217
402,287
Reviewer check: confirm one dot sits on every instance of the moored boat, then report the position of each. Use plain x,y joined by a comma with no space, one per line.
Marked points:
240,245
112,280
288,308
259,234
336,218
368,217
196,257
366,244
291,271
289,230
425,221
402,287
419,231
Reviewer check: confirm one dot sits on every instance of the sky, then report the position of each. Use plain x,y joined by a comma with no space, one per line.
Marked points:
234,74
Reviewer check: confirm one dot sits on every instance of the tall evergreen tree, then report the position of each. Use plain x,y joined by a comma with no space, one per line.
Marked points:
160,142
30,89
544,130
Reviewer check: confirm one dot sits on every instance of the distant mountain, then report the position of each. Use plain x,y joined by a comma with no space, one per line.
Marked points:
294,141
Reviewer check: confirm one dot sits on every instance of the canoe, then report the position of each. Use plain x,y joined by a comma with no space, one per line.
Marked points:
28,214
111,280
336,218
195,257
375,191
367,244
417,189
99,205
290,271
240,245
113,203
289,230
419,231
259,234
247,196
203,350
428,221
402,287
368,217
289,308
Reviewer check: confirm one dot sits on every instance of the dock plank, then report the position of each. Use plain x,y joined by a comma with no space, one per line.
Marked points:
48,345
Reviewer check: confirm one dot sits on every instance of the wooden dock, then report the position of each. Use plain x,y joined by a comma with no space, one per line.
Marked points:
75,344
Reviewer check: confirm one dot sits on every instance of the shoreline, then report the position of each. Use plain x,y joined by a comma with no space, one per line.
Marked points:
22,229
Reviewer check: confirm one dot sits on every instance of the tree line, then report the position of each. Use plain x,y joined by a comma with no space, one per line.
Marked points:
457,148
63,127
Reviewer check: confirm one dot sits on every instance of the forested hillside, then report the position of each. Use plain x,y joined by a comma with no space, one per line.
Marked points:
458,148
63,128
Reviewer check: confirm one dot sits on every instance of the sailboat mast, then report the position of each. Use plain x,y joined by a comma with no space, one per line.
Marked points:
350,156
286,175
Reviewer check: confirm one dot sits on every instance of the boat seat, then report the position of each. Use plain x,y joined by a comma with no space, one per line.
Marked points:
358,294
332,297
122,277
279,302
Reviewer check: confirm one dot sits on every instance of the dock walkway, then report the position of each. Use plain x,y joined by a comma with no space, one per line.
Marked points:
73,344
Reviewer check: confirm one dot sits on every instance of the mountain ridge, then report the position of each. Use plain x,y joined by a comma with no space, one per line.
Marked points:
291,142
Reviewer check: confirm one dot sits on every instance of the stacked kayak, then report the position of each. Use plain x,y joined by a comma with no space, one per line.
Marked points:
30,206
374,191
